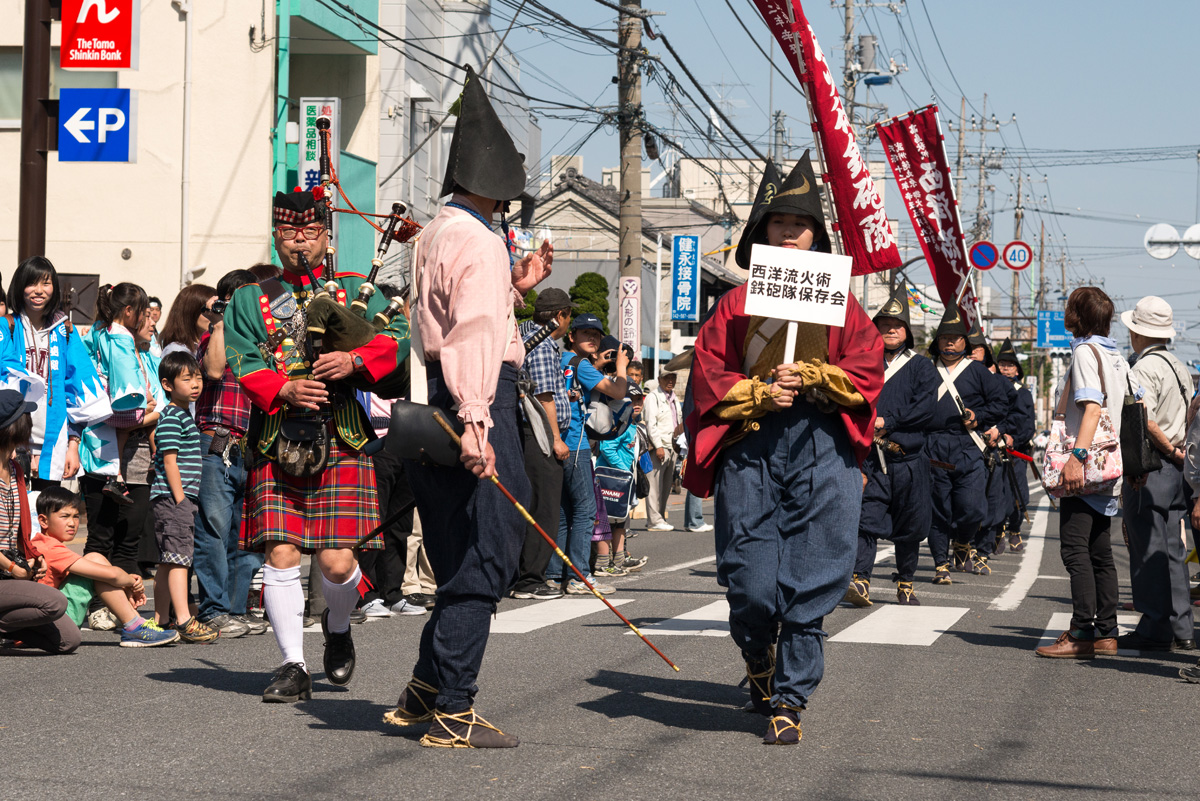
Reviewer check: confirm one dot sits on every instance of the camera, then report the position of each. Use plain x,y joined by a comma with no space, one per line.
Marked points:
219,306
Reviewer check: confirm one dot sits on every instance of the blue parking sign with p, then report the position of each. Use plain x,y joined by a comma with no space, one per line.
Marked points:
97,125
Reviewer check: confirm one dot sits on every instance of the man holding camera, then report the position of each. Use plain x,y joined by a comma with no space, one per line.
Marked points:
577,516
223,571
663,424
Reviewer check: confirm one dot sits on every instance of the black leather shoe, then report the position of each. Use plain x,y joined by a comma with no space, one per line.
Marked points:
424,599
339,653
1179,644
1136,642
291,683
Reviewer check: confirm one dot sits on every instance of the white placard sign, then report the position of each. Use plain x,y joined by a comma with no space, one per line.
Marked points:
800,285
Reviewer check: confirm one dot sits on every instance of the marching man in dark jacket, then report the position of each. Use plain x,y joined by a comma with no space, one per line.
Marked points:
896,496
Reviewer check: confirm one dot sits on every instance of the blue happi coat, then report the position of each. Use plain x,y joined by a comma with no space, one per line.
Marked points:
74,397
130,384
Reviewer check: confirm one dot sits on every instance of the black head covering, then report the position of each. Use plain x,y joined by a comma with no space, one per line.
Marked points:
951,325
483,159
798,194
976,339
299,207
768,187
897,307
1008,353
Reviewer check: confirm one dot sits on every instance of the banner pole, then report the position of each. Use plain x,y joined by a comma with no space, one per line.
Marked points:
657,307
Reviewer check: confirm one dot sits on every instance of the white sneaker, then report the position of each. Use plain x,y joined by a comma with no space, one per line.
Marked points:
705,527
661,527
403,607
576,587
377,608
101,620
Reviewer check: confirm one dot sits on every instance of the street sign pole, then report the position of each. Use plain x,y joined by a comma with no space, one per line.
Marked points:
35,130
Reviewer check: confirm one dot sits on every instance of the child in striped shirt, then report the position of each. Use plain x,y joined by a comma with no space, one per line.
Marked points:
177,467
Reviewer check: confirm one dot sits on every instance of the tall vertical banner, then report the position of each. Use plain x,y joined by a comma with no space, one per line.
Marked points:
685,279
309,169
630,314
917,154
861,220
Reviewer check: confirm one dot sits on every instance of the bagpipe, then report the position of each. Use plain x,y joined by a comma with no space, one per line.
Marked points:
333,326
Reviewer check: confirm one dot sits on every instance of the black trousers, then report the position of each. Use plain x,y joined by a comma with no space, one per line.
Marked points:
545,478
114,530
385,568
1085,540
1157,572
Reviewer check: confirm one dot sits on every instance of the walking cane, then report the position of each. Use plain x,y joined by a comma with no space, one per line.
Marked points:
529,519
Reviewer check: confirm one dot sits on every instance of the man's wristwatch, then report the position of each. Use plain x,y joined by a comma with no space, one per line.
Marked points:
1080,453
359,364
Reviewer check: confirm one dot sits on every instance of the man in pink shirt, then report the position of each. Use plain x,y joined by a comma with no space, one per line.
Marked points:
467,286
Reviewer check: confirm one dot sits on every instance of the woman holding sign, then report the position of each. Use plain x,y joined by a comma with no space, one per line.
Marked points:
782,438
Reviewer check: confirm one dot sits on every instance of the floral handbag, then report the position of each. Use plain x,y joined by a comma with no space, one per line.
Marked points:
1103,468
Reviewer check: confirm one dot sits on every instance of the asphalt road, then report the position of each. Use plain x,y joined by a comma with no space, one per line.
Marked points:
964,709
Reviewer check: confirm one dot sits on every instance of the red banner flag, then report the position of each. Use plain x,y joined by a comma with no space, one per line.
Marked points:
865,232
917,154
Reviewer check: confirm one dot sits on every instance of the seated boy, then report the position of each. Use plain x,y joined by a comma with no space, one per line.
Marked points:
80,578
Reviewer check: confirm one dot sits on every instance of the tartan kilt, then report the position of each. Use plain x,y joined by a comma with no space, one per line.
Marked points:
332,510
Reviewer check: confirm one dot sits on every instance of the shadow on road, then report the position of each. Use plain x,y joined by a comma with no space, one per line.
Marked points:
688,704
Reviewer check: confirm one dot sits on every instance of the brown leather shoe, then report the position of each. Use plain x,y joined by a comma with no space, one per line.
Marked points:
1105,646
1067,647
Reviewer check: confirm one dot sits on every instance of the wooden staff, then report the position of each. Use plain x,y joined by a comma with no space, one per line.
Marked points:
566,560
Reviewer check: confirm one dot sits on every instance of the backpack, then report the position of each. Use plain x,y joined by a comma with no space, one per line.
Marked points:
605,418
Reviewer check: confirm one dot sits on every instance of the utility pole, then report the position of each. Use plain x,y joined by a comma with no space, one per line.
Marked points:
780,133
962,150
849,73
35,129
629,116
1041,303
1018,216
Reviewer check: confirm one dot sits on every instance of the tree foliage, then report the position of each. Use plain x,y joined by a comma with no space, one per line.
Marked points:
526,312
590,294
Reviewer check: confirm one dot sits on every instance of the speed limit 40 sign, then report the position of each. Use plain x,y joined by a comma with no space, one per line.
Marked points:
1017,255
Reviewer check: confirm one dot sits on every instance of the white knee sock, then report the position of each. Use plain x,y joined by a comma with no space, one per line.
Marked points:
283,600
341,599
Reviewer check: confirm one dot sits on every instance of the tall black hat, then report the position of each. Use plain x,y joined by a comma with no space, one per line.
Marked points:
951,325
299,207
1008,353
897,307
768,187
798,194
483,159
976,339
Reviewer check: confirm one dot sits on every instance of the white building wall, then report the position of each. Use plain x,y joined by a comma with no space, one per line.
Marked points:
95,211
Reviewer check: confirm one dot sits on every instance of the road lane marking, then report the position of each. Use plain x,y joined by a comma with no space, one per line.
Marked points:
885,553
707,621
532,617
1031,562
1061,621
902,625
683,565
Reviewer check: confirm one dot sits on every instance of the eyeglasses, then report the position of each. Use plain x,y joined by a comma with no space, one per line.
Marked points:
290,232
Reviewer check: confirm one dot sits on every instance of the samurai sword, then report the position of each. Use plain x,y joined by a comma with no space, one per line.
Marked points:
940,465
566,560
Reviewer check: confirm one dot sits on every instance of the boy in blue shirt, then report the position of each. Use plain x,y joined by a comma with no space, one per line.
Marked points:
577,516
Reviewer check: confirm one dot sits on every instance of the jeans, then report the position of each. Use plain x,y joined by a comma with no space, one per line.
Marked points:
1085,542
577,517
473,536
787,518
545,479
693,512
223,570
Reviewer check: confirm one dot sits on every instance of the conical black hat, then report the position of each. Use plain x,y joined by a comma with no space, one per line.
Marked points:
976,339
483,159
897,307
951,325
1008,353
767,189
798,194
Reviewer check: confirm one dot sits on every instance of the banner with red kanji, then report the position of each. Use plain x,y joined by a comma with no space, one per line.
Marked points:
917,155
862,222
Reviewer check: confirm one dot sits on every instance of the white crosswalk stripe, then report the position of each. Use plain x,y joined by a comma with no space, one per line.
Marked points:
532,617
902,625
707,621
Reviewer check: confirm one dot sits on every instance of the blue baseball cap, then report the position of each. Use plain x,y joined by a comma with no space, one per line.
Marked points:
586,320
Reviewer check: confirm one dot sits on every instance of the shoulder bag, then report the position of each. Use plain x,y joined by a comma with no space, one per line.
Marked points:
1103,468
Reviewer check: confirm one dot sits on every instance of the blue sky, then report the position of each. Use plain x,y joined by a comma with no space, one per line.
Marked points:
1078,75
